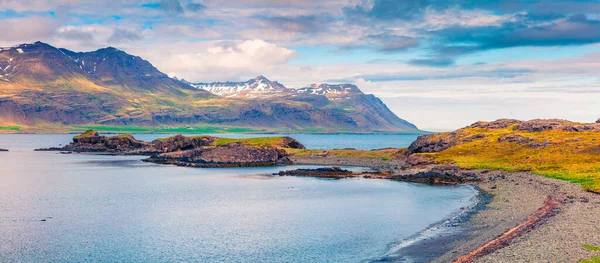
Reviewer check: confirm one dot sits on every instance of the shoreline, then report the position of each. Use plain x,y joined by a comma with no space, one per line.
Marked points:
432,242
512,223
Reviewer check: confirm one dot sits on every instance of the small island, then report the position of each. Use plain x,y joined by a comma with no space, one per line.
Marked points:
197,151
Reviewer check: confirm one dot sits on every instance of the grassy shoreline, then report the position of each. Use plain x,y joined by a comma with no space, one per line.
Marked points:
201,129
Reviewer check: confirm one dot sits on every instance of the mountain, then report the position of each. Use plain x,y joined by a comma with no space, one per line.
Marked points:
48,87
258,87
335,92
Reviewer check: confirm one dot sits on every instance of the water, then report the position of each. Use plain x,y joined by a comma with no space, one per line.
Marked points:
75,208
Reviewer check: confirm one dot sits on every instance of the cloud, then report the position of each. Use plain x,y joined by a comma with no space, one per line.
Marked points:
393,43
27,29
123,35
220,60
171,6
75,34
575,30
195,7
432,62
388,9
304,24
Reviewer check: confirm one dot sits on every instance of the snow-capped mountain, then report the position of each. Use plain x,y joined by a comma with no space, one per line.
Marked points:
254,88
42,84
331,91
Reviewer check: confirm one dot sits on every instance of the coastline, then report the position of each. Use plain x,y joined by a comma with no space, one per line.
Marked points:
511,204
436,240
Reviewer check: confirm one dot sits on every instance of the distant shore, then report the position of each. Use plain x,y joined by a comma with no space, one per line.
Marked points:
513,223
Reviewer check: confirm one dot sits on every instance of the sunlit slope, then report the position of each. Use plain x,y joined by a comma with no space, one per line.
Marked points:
552,148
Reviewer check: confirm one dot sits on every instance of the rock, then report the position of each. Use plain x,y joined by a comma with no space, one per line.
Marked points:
3,150
330,172
414,160
440,174
497,124
556,124
436,142
516,138
289,142
180,143
321,154
91,141
229,155
598,120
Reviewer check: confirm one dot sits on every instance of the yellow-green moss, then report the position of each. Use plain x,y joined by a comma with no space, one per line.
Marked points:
571,156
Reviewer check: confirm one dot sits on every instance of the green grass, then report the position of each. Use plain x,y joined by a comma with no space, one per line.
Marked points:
260,141
591,260
591,248
10,128
141,129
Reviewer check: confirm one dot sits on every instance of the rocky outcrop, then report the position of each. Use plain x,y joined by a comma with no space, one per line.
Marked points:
555,124
90,141
436,142
230,155
439,174
497,124
329,172
178,143
288,142
3,150
516,138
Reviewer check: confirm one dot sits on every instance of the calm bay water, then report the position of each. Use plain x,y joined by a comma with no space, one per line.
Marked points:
75,208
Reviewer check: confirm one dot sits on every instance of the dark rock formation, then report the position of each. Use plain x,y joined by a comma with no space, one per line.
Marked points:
229,155
440,174
3,150
291,143
180,143
516,138
91,141
598,120
435,142
497,124
562,125
330,172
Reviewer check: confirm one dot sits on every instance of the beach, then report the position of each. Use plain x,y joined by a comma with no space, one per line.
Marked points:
557,234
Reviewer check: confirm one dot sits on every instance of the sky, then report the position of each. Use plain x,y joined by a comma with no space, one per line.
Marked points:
439,64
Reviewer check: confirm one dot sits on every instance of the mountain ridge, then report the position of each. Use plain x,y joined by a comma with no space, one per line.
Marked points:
44,85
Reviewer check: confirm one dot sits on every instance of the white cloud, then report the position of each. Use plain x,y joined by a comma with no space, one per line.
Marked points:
216,60
27,29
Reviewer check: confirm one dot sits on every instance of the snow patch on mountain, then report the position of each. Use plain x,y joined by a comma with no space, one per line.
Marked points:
254,88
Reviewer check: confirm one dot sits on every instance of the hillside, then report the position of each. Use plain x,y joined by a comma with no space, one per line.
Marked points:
48,89
553,148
